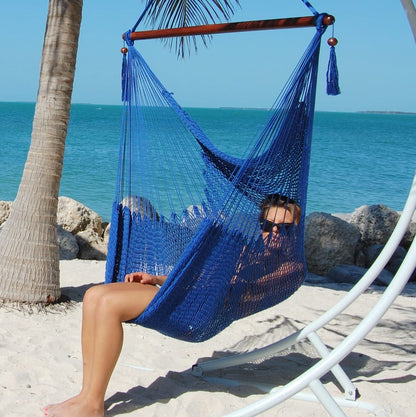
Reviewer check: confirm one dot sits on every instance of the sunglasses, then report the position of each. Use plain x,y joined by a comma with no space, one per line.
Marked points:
267,226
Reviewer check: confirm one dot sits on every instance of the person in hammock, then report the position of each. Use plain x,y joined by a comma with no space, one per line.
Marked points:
274,262
107,306
278,213
278,210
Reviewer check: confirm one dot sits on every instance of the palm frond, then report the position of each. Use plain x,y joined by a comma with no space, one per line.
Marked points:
166,14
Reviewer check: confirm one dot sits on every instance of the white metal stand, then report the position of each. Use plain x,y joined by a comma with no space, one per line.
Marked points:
330,359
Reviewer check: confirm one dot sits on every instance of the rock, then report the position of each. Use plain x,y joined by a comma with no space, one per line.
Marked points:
91,245
351,274
106,233
374,251
329,241
75,217
343,216
375,223
4,210
316,279
140,205
360,255
409,236
68,245
395,261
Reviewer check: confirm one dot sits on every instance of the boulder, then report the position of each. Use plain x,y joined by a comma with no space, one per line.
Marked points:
343,216
375,223
75,217
4,210
393,264
409,236
372,252
106,233
91,245
315,279
329,241
68,245
351,274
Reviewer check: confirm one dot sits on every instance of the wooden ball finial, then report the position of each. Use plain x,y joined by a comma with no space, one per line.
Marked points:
332,41
124,50
328,20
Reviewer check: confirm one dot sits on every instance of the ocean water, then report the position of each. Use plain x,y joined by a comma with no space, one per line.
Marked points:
357,158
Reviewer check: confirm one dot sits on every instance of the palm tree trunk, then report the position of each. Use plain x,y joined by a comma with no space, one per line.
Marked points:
410,10
29,254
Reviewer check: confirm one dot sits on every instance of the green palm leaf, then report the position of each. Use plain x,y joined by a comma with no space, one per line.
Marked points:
166,14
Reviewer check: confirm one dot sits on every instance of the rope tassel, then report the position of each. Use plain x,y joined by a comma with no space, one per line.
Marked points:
124,90
125,95
332,78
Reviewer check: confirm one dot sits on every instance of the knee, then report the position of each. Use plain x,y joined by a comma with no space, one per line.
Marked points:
93,296
100,300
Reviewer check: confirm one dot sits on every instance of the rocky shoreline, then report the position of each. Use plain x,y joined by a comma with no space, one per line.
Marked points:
339,248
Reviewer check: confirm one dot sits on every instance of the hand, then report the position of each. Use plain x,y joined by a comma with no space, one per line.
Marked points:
142,278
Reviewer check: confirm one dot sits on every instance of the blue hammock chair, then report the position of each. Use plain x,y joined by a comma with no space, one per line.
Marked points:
188,210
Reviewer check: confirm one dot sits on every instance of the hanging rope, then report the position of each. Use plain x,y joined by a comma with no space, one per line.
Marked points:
310,7
332,76
189,211
143,14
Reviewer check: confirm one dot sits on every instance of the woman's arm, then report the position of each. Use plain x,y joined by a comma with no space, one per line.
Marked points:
145,278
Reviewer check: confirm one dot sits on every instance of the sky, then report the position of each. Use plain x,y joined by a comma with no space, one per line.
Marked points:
376,56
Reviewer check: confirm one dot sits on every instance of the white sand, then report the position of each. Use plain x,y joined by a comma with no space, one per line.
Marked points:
40,357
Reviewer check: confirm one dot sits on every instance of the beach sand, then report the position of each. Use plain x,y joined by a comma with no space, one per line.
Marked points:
40,357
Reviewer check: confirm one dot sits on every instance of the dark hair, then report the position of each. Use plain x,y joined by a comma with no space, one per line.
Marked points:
278,200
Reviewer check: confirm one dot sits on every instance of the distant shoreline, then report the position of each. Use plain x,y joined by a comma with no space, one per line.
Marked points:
233,108
386,112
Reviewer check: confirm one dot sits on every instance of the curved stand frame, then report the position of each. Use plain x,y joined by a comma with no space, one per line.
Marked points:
330,359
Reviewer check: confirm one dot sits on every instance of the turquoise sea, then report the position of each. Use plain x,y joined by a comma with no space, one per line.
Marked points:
357,158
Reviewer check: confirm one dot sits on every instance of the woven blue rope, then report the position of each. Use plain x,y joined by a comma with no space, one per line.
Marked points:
188,210
141,17
310,7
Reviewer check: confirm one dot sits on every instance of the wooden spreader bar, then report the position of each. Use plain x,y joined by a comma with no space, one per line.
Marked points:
285,23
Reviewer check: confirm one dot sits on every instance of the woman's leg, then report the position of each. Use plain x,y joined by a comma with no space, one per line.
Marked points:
115,304
105,308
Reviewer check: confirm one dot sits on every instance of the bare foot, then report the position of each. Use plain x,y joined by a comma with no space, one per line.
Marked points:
76,406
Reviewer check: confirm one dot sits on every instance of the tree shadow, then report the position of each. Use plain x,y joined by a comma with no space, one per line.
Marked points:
76,294
273,372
